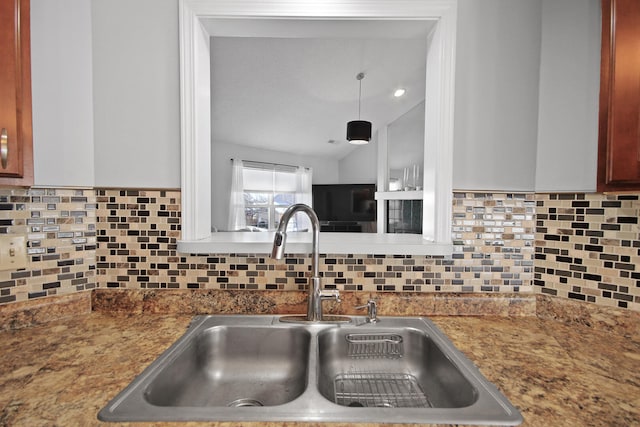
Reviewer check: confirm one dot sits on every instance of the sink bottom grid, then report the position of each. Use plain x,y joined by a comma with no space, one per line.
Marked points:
379,390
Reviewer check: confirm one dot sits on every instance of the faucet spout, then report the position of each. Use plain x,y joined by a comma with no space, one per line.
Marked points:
277,252
316,293
281,234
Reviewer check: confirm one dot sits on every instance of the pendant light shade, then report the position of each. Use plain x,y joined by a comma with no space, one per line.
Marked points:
359,131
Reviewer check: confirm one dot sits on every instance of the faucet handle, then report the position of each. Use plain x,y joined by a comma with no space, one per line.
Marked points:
372,311
369,304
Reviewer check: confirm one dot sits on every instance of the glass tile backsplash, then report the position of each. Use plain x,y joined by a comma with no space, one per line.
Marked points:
578,246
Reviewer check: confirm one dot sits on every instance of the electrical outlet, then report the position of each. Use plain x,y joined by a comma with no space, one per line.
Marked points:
13,252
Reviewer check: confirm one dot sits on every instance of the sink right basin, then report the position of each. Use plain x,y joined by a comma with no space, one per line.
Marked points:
396,368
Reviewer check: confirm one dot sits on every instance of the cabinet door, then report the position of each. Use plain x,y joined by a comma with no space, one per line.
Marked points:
16,163
619,139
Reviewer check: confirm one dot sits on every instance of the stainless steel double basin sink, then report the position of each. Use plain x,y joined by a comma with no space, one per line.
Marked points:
257,368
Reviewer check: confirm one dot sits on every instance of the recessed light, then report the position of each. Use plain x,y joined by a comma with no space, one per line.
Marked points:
399,92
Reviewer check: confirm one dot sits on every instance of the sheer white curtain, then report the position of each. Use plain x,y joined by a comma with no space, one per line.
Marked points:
304,195
237,219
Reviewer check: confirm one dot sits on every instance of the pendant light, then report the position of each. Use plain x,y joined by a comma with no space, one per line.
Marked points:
359,131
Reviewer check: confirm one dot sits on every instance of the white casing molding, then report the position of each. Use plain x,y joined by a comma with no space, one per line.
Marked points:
195,99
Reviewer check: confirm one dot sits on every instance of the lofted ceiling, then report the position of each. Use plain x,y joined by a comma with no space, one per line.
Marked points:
290,85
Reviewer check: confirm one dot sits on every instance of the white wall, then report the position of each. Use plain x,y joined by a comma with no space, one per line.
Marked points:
511,53
136,93
360,165
569,89
61,73
325,171
406,142
496,105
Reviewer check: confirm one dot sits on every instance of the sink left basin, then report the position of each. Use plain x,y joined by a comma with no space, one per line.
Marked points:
219,368
222,364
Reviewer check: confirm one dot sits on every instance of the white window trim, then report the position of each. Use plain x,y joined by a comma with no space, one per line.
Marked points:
195,106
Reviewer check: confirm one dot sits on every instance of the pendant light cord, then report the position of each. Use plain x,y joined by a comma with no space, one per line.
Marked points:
359,98
360,76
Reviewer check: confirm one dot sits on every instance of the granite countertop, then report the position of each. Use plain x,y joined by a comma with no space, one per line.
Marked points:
64,372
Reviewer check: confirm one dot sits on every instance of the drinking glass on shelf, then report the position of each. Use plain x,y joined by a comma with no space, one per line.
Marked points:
405,179
416,177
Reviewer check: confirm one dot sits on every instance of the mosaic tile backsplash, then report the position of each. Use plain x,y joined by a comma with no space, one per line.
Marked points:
578,246
60,225
588,248
137,233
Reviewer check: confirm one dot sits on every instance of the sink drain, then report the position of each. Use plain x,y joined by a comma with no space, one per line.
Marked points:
240,403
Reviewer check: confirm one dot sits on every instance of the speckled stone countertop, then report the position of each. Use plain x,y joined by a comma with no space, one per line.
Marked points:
63,372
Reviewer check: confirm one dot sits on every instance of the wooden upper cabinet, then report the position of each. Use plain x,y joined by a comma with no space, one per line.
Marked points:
619,126
16,147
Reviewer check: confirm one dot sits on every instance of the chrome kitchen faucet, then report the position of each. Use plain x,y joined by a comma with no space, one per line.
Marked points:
316,293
